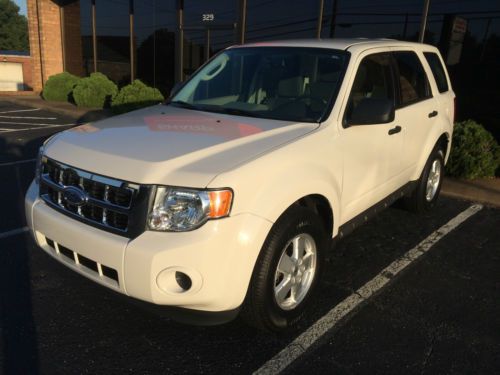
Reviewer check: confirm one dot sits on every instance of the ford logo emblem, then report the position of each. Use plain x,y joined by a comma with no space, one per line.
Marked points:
74,196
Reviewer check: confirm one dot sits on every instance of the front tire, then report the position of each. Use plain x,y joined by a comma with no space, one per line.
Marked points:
428,187
287,271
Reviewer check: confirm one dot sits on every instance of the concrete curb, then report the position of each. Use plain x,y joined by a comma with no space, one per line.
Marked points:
485,191
81,115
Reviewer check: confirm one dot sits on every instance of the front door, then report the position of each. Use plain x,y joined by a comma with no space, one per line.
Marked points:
372,153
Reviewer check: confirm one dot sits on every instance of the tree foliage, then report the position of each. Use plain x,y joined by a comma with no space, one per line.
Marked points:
13,27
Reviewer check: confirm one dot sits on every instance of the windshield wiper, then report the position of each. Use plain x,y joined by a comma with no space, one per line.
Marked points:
180,103
233,111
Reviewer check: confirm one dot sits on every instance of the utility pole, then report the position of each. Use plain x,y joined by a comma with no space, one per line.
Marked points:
423,21
334,18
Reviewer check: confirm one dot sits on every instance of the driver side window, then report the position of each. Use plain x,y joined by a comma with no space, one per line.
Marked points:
373,81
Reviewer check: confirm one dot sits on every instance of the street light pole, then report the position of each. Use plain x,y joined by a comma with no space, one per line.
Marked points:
423,21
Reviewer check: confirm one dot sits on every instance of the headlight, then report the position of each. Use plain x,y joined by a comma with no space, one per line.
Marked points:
182,209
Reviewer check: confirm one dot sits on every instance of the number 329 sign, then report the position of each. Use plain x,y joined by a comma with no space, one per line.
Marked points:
207,17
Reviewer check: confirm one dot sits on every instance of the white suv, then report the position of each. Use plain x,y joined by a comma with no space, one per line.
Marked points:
225,198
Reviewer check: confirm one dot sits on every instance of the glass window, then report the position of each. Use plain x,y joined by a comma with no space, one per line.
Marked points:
113,39
373,80
412,79
437,71
155,38
86,35
284,83
280,19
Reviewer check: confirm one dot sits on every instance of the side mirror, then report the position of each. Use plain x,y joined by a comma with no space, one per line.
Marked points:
371,111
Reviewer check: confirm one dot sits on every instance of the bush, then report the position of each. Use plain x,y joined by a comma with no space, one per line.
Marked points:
134,96
96,91
59,87
474,152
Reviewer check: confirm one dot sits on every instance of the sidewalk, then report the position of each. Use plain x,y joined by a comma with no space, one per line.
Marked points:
82,115
484,190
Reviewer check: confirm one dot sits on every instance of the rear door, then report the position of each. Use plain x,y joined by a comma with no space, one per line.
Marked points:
416,109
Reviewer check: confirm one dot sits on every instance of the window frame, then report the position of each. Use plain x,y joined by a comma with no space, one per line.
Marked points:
399,103
393,82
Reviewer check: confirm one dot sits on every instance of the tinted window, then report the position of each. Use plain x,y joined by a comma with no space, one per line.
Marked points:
373,80
413,81
437,71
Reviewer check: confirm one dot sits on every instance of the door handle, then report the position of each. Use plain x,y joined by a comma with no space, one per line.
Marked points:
395,130
433,114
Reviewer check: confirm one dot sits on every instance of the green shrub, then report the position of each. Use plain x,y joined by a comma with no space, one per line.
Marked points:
59,87
134,96
96,91
474,153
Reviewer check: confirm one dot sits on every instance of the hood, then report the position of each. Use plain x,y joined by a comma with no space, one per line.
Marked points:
169,145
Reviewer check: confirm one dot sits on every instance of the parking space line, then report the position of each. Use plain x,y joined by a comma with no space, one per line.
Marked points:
37,128
29,123
13,232
21,110
29,117
17,162
331,319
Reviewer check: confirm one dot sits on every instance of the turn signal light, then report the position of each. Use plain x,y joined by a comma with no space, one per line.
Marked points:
220,203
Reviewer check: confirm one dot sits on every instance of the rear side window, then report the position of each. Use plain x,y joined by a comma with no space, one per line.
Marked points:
437,71
413,82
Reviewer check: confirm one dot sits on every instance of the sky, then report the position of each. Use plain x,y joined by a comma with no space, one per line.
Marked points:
22,5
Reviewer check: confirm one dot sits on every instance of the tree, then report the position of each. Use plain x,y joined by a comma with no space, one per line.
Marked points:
13,27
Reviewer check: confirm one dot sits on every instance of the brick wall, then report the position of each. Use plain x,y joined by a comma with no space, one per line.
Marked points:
44,26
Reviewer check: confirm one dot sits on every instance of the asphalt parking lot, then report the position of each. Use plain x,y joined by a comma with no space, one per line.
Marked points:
440,314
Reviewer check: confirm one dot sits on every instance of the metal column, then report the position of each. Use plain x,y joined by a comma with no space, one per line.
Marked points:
132,40
320,18
179,48
94,36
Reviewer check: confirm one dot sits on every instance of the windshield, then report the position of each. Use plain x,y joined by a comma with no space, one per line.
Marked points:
283,83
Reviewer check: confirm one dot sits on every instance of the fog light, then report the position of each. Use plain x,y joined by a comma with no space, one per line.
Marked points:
183,280
179,280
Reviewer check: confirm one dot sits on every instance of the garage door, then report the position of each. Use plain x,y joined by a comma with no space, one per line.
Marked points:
11,76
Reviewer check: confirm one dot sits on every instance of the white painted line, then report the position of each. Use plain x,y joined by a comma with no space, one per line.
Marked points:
37,128
17,162
30,118
21,110
29,123
331,319
13,232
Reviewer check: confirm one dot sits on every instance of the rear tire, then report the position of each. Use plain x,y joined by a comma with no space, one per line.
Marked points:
287,271
426,193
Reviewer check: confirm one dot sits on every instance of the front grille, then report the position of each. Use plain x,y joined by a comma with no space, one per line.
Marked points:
110,204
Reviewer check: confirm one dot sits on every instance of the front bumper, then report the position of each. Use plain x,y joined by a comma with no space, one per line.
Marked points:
218,257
